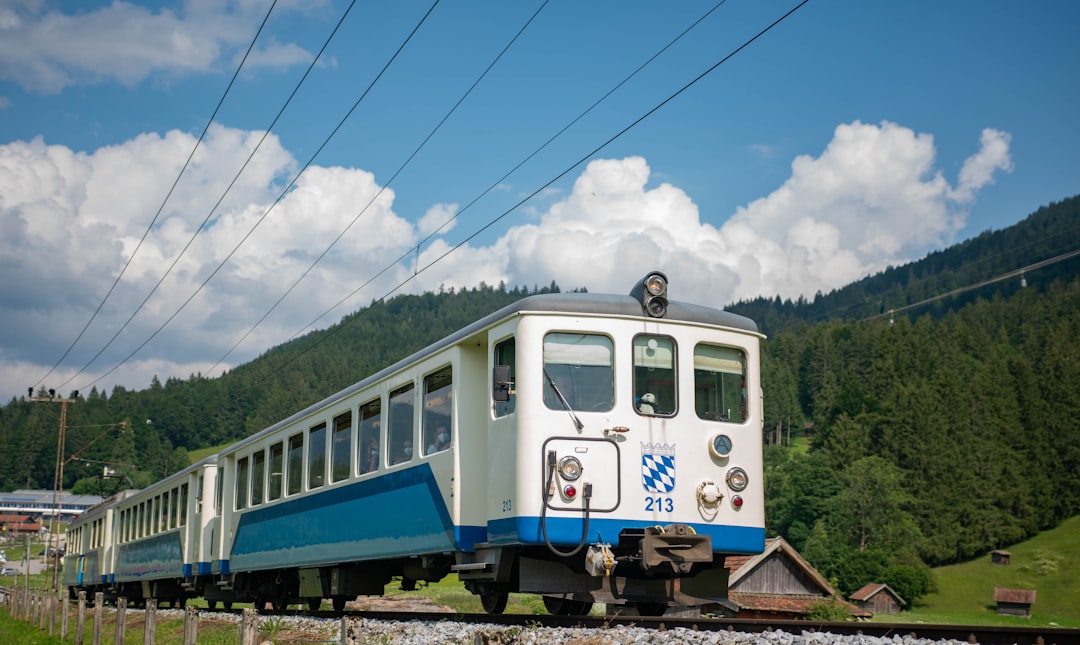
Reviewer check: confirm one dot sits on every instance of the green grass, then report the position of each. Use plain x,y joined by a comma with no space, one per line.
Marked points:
1049,563
195,456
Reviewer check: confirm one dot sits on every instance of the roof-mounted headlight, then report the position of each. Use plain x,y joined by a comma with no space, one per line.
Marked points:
652,294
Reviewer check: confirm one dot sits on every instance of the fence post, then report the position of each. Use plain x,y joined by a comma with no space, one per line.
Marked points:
150,627
249,627
65,604
99,602
351,630
191,625
37,613
121,617
54,604
80,618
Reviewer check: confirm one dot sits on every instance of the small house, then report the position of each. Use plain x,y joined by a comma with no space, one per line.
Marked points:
1014,602
779,584
998,556
878,598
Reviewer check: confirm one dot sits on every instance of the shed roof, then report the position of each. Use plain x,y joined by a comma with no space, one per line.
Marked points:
1020,596
872,589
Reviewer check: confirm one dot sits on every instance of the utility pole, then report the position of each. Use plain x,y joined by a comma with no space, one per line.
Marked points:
58,473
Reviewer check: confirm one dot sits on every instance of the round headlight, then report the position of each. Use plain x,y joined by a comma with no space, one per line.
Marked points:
720,446
570,468
737,479
656,285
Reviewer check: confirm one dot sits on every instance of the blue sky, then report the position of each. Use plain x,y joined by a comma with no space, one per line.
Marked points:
849,137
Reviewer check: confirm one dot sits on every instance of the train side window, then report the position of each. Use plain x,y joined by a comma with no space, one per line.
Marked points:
165,499
241,484
219,494
182,521
720,383
317,456
370,435
579,372
277,471
505,354
294,480
402,409
258,477
172,508
654,375
341,447
438,408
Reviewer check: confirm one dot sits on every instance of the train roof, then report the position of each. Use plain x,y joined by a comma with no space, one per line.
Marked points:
569,303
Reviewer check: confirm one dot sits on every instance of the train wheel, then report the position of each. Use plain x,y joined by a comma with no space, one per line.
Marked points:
339,603
281,599
650,608
493,597
566,607
313,604
211,604
228,604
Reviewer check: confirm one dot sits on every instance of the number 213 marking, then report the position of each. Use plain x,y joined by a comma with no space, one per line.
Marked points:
659,504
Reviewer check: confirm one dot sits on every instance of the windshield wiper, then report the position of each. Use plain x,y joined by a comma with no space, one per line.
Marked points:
562,399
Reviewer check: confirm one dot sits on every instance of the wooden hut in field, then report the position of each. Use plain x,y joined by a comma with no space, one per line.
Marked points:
1014,602
878,598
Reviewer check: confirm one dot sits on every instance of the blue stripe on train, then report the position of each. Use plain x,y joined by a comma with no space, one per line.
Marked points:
398,514
567,531
160,556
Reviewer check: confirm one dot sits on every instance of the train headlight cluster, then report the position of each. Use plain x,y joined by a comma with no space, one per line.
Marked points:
652,293
737,479
570,468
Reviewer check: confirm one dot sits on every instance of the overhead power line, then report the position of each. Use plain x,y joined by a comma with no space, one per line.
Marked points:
416,248
333,331
281,196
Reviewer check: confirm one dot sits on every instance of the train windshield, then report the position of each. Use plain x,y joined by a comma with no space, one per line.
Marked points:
579,373
654,375
720,383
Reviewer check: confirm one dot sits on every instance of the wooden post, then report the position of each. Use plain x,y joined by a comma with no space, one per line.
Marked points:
37,613
54,603
65,608
191,625
150,627
249,627
121,618
352,630
99,603
80,618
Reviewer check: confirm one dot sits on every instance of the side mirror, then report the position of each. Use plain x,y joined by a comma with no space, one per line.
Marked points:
500,383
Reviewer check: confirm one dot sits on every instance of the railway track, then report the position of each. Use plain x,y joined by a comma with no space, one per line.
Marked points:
985,635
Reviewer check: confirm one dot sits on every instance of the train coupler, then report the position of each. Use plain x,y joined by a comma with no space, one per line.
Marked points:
677,545
599,560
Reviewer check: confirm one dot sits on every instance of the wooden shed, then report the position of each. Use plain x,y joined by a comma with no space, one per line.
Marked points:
779,583
1014,602
998,556
878,598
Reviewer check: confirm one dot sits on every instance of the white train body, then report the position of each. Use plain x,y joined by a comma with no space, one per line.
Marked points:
598,448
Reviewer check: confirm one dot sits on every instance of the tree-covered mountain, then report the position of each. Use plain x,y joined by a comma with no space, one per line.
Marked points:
947,429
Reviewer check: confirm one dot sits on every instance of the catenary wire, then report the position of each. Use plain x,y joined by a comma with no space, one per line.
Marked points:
165,201
416,248
334,330
236,177
281,196
384,187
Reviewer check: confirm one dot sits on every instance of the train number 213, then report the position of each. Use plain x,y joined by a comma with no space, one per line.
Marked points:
659,504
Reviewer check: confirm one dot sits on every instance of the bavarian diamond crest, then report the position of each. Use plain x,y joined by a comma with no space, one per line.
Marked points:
658,467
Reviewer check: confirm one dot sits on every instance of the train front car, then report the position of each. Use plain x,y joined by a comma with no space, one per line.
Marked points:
634,425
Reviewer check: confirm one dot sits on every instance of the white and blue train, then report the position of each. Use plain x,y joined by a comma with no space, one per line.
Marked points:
587,448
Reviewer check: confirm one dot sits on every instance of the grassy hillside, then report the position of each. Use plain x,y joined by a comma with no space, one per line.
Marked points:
1048,563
